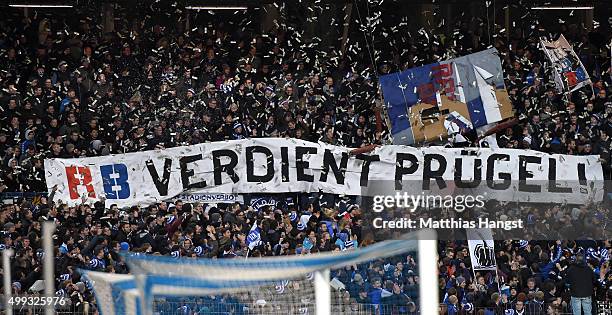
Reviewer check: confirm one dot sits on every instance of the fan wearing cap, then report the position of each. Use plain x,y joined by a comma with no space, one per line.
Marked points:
192,103
61,75
238,133
16,287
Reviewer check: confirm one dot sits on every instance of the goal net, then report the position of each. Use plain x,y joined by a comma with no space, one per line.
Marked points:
382,278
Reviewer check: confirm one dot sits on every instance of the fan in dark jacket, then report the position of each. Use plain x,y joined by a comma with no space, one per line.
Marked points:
580,278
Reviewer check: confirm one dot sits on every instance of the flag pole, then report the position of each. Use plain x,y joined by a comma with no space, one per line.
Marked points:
497,280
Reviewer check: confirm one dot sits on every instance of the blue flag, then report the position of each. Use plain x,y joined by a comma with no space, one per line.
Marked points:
254,237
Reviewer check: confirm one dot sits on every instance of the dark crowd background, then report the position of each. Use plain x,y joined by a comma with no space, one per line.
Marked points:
161,77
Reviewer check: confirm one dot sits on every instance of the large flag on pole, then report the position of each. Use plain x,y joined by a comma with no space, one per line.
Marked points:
482,249
440,100
569,73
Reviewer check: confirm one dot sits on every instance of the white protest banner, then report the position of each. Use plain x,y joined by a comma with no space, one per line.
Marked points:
274,165
482,249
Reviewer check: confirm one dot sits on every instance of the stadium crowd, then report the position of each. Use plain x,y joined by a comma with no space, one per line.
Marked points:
71,90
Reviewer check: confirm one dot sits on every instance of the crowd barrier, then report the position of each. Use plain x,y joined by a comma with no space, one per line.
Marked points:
272,308
201,306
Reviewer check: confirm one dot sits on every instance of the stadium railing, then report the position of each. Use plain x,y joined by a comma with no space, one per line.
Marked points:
174,308
211,308
12,197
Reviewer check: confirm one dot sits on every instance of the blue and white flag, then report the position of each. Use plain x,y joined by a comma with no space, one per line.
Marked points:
96,263
437,101
604,254
304,219
254,237
280,286
260,202
592,253
310,276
